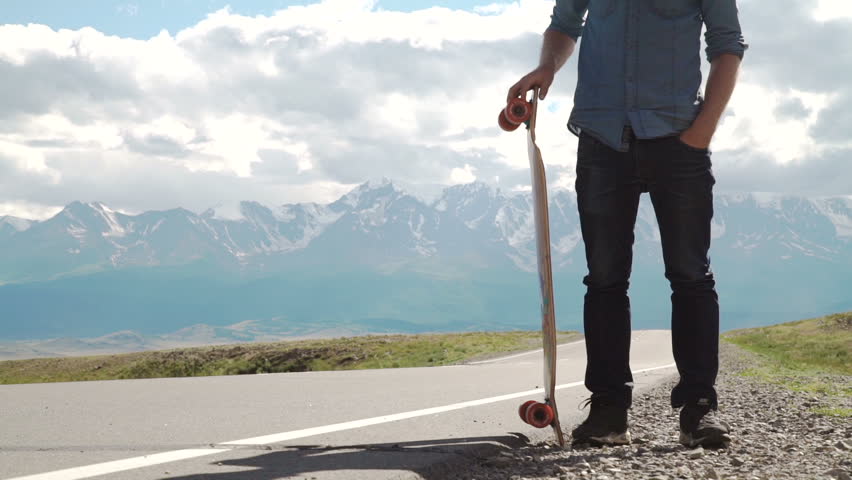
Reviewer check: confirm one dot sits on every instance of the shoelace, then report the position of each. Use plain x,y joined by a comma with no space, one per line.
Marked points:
596,399
592,400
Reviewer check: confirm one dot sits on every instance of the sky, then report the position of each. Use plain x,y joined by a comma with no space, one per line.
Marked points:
154,105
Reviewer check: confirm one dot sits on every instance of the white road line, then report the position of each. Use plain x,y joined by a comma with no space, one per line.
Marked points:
177,455
493,360
337,427
122,465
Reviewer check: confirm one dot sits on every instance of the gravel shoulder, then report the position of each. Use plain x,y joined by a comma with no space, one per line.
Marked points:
776,435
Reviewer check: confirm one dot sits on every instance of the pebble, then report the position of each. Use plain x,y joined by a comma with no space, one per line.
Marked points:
697,453
776,436
500,462
837,474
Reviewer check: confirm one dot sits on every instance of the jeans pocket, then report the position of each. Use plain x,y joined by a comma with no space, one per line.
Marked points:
686,146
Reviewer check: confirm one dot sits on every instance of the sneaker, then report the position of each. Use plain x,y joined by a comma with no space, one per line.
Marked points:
700,425
605,425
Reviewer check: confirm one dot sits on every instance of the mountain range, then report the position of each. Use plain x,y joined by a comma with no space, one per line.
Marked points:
379,259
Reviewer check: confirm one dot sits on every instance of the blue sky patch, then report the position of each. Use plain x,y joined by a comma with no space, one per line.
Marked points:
143,20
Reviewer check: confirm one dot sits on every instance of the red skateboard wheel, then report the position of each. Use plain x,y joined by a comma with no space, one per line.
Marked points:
539,415
518,110
522,411
505,124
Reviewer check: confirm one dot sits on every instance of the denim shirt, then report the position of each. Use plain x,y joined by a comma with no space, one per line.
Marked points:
640,63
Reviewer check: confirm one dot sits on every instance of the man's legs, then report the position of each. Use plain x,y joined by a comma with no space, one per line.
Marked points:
682,194
681,189
607,199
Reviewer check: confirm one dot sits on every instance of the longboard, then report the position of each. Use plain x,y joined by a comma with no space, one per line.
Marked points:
535,413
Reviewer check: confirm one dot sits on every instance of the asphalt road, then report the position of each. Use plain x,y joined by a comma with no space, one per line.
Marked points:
367,424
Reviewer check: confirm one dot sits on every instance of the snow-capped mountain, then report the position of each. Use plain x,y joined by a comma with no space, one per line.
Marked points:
377,223
10,225
379,258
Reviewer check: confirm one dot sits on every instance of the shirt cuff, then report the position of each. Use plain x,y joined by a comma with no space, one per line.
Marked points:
734,47
571,32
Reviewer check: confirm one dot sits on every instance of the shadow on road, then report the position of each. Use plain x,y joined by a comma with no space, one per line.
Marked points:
431,459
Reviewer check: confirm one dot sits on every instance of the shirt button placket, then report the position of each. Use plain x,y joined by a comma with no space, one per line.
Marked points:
630,57
630,48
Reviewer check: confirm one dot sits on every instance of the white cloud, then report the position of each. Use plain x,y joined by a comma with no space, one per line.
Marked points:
26,159
28,210
752,123
305,103
827,10
463,175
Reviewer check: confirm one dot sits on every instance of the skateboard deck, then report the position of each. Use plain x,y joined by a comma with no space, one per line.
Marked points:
538,414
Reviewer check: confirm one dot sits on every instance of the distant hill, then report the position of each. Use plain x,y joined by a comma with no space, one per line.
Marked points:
379,259
374,351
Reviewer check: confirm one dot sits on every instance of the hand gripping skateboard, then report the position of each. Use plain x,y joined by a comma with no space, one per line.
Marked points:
537,414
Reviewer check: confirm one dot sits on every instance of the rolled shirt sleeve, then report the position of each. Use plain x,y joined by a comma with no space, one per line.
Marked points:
723,34
568,16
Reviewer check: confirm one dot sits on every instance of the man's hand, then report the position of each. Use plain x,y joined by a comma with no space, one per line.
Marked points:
555,50
697,136
720,86
541,77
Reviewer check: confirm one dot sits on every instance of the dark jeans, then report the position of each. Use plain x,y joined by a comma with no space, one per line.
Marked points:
680,182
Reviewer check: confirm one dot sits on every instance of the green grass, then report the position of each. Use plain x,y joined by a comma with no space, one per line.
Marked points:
821,345
386,351
834,412
809,381
813,355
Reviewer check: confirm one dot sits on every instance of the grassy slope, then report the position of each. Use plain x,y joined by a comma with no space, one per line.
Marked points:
310,355
813,355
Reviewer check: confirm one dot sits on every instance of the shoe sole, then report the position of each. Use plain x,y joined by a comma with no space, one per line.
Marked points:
611,439
711,440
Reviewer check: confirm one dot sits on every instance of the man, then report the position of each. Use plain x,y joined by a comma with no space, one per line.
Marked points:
644,127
